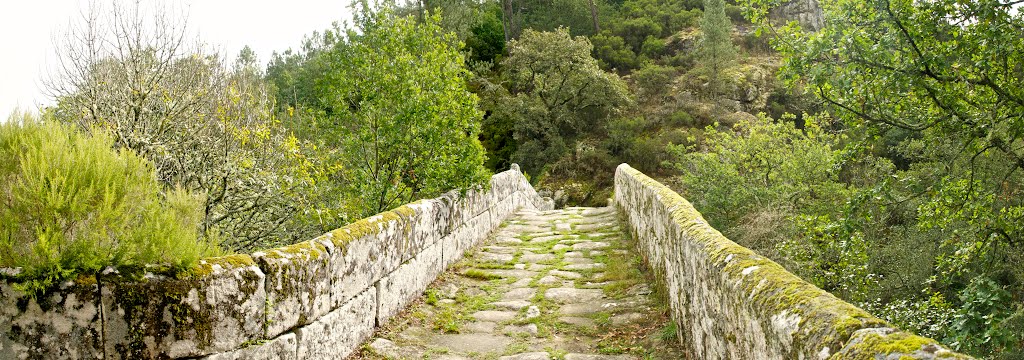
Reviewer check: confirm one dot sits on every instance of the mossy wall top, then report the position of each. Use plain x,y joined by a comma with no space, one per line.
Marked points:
731,303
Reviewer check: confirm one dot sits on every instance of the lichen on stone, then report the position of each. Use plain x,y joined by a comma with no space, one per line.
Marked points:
208,266
751,285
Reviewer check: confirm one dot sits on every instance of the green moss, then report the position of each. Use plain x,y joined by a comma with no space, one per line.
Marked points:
899,343
341,237
406,210
824,319
311,248
84,279
205,267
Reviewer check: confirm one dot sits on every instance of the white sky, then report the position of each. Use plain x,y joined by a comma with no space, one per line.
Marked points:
27,28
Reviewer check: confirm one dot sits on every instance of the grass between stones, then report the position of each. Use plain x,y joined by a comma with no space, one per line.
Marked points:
447,307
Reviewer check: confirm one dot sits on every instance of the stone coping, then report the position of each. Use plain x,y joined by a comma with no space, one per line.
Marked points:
730,302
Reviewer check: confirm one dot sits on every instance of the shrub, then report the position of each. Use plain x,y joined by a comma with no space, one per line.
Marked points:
682,118
653,47
651,80
612,52
70,205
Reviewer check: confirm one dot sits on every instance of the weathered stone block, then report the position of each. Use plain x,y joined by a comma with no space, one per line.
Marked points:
283,347
340,332
405,284
505,183
216,307
450,250
424,228
476,230
63,323
365,251
502,209
451,209
298,284
474,202
888,343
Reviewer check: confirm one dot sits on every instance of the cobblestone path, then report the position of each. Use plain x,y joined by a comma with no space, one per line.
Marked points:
560,284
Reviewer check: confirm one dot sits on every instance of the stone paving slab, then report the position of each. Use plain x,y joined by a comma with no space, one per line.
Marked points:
560,284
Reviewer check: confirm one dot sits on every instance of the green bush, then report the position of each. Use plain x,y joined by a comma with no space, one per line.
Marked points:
71,205
652,80
682,118
774,190
612,52
653,47
635,31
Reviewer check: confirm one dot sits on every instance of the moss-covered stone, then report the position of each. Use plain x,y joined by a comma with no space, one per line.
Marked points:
887,343
62,322
217,307
727,300
298,285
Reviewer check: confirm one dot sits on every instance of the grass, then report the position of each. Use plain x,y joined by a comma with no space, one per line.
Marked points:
430,296
556,354
480,275
518,346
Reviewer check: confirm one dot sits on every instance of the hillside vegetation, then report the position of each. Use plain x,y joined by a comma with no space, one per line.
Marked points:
873,147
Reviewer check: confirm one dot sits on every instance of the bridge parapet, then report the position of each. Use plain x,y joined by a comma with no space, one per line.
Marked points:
731,303
319,299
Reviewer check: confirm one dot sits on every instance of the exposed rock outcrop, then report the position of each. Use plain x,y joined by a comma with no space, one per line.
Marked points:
806,12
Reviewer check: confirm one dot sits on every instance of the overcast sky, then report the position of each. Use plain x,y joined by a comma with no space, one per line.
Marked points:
27,28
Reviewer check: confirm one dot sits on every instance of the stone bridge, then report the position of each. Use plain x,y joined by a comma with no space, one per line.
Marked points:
489,273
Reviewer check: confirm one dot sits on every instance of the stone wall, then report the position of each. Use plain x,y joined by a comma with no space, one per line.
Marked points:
731,303
318,299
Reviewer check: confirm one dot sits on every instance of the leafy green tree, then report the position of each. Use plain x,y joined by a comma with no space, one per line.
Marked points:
557,94
399,111
716,50
579,16
486,41
70,204
945,77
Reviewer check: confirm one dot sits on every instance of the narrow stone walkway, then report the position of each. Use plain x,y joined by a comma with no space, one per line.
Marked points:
560,284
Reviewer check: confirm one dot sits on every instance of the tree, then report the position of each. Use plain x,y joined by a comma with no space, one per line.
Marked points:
716,50
942,79
205,127
556,94
399,111
486,40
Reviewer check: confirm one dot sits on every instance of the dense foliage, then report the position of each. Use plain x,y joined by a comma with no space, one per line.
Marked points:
405,125
557,94
206,126
71,204
935,87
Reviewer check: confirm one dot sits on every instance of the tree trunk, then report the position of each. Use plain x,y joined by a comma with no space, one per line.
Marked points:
508,17
593,15
504,19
